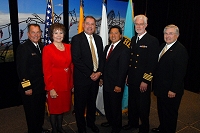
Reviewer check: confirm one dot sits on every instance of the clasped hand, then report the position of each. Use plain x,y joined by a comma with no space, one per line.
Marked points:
53,93
95,75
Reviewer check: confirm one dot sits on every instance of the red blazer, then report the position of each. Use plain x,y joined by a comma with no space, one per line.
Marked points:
57,68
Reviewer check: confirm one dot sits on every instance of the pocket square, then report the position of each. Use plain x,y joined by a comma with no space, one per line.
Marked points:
143,46
33,54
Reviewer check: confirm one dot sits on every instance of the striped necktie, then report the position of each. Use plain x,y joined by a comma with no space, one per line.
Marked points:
94,58
37,46
111,49
163,51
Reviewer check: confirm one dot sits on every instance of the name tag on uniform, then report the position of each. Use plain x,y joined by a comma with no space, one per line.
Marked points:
33,54
143,46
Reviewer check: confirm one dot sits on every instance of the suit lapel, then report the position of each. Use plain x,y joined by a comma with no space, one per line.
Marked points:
161,47
172,47
134,44
86,43
106,50
34,49
97,46
117,47
142,40
169,50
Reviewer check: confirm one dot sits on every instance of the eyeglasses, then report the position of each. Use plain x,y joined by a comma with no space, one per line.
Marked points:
170,33
141,24
35,33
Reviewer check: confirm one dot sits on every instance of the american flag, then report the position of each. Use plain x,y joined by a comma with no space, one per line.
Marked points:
48,22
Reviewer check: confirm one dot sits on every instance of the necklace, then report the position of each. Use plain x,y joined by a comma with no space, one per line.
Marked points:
60,47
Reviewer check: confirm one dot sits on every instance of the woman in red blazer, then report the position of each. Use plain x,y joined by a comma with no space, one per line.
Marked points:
58,72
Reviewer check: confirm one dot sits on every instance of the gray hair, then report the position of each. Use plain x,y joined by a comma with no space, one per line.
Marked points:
172,26
143,17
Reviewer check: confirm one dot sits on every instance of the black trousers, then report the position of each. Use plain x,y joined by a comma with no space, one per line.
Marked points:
85,97
34,107
113,109
139,107
168,113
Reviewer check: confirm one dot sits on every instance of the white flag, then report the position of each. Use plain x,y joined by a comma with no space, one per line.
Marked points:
104,36
104,26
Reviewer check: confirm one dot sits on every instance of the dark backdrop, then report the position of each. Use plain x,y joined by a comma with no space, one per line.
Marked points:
186,15
183,13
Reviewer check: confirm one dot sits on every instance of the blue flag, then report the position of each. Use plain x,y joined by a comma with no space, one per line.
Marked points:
48,22
129,32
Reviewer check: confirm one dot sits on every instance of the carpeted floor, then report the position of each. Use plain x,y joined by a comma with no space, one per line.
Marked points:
12,120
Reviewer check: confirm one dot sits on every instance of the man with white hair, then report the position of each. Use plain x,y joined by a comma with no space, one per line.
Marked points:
143,59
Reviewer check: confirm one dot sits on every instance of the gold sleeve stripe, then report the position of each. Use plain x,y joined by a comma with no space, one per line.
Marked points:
147,76
26,83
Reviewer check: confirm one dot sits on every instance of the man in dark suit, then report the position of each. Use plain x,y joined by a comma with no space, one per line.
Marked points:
168,82
87,50
143,59
116,58
29,68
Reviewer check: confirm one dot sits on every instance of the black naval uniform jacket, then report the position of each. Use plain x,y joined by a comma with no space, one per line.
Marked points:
29,67
143,59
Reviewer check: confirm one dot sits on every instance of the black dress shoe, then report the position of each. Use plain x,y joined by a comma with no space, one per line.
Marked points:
105,124
128,127
114,132
94,128
45,131
61,130
155,130
82,132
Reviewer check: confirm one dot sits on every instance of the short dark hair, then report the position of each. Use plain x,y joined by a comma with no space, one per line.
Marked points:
35,25
56,26
90,17
116,26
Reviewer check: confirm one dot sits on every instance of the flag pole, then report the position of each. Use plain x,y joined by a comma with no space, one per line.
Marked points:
52,12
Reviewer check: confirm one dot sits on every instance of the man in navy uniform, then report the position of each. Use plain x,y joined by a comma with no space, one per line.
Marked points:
29,69
143,59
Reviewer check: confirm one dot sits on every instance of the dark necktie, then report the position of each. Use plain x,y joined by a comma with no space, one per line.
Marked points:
111,49
137,39
37,46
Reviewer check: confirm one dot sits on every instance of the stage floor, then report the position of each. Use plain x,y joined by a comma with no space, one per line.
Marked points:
12,120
